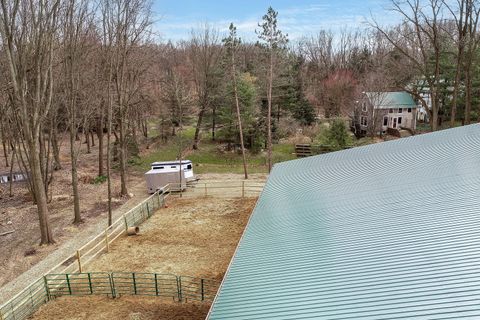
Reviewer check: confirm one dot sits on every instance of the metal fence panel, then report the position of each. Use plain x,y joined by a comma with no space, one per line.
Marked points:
197,288
26,303
147,284
78,284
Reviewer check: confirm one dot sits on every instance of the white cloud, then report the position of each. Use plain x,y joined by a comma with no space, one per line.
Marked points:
296,21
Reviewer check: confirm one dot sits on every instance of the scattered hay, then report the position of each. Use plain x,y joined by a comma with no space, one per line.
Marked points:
128,308
194,237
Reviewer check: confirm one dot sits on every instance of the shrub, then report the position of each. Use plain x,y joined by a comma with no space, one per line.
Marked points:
99,179
336,135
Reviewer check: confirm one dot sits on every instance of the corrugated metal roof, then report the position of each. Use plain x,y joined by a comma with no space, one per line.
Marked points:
386,100
385,231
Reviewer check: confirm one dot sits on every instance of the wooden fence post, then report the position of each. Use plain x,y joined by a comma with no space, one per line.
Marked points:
126,223
243,189
201,284
47,290
106,240
179,288
79,262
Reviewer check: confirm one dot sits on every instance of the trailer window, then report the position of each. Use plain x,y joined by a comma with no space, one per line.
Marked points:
156,168
173,167
189,167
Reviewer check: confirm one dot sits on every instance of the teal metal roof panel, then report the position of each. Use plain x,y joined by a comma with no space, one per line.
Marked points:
385,231
385,100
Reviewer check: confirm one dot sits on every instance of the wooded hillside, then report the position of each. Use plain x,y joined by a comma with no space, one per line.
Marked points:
95,72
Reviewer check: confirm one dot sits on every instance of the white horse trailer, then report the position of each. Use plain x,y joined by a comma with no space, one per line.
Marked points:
168,172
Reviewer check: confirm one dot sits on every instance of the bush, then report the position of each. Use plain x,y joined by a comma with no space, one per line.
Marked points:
99,180
336,135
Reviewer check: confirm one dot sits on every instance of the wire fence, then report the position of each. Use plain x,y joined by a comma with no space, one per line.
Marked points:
221,189
67,278
116,284
28,300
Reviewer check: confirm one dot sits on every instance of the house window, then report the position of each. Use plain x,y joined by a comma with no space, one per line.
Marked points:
364,107
390,110
399,120
385,121
363,121
400,110
409,110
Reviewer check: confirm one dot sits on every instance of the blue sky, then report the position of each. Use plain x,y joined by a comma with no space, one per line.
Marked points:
176,18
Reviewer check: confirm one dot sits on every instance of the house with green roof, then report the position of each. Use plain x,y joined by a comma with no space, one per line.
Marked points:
382,112
403,244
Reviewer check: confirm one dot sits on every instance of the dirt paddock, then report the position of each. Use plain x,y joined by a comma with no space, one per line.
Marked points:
124,308
192,237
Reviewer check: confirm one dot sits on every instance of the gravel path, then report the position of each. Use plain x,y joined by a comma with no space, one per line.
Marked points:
65,250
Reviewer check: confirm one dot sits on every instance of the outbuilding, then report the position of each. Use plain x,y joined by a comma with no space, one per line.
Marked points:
175,173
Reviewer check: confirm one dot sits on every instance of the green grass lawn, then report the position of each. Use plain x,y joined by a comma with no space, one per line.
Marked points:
209,158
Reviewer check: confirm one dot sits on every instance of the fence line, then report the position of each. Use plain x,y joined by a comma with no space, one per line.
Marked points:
244,188
115,284
26,302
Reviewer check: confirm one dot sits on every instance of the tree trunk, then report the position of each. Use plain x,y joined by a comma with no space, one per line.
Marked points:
40,195
196,138
109,134
434,113
73,157
56,150
122,158
145,128
87,140
269,114
239,119
100,144
4,143
468,95
214,109
11,172
456,85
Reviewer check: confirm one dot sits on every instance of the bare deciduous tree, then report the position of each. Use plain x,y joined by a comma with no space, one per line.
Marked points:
205,52
419,39
28,30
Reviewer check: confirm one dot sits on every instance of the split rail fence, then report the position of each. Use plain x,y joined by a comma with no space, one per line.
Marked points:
69,272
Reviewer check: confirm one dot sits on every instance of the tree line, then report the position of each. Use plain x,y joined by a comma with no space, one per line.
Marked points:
95,71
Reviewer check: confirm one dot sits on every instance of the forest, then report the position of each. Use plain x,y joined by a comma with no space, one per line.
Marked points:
94,72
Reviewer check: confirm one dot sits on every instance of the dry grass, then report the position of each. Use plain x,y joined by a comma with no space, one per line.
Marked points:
194,237
128,308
